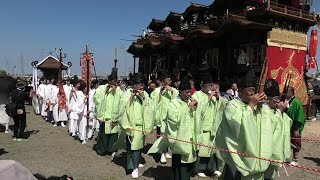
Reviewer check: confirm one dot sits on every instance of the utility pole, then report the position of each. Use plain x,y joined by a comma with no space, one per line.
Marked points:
114,70
7,64
21,63
122,48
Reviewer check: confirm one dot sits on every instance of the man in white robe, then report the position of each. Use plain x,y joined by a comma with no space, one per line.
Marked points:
34,99
41,96
54,101
49,99
74,108
82,99
67,89
93,123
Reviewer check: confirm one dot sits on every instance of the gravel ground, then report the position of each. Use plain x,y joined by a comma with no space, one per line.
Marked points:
50,151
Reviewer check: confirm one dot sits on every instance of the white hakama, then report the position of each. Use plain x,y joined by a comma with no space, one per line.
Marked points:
82,130
41,92
92,122
63,115
92,126
4,118
82,123
35,104
55,112
76,106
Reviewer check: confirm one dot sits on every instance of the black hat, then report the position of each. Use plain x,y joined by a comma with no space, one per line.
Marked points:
137,79
207,79
249,80
75,80
94,83
165,76
50,77
185,84
82,85
103,82
272,88
112,76
21,84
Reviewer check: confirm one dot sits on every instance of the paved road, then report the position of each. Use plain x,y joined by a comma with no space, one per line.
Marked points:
50,151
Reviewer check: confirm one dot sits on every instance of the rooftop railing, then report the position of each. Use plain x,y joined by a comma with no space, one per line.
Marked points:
277,8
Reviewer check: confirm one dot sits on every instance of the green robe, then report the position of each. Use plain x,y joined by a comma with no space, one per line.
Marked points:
161,105
209,113
206,110
137,119
109,107
181,124
296,113
245,131
281,148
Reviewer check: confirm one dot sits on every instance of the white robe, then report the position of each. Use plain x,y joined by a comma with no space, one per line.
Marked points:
82,122
35,103
75,107
93,123
59,114
67,90
54,103
51,93
4,118
63,115
41,91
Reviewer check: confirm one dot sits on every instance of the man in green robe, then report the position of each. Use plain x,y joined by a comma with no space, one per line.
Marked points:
137,119
182,124
209,103
296,113
161,98
280,125
108,110
245,128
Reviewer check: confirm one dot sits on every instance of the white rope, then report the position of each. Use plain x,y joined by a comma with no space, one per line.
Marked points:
285,169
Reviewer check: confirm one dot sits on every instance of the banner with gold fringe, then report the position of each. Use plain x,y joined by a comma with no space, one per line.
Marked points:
284,61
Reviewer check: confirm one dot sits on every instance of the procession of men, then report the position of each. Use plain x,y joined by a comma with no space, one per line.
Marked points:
192,127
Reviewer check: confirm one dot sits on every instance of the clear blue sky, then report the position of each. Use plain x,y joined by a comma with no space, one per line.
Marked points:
31,28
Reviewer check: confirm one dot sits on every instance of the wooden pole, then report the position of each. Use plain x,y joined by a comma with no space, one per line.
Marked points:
115,53
134,64
60,65
88,85
263,76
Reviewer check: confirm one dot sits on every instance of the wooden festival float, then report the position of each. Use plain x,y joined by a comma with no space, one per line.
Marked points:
227,33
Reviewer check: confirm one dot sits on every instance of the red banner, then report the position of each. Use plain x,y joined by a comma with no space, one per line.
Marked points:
313,47
62,104
83,63
62,96
281,62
